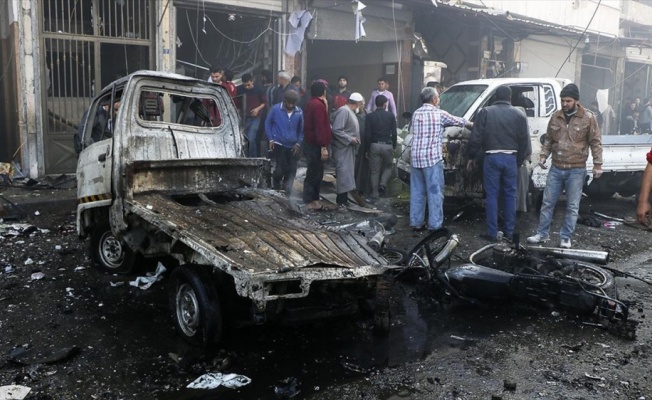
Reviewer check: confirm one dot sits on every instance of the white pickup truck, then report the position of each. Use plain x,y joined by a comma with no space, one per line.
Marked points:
165,178
623,155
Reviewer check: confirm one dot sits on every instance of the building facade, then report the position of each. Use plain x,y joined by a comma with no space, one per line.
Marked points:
56,54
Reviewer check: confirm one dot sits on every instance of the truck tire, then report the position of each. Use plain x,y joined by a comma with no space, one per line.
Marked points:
110,254
195,305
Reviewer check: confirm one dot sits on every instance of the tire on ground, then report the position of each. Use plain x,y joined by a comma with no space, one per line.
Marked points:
110,254
195,305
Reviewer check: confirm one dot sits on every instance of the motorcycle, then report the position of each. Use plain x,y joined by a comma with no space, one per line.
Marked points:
564,278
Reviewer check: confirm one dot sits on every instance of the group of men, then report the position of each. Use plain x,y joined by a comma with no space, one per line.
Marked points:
335,124
500,138
325,125
352,136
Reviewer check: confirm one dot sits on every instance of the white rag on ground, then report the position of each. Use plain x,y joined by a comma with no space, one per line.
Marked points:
144,282
215,379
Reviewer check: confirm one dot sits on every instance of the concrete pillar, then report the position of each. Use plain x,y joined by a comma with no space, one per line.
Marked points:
166,36
30,115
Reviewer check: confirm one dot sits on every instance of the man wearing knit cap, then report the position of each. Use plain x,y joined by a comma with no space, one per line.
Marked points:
571,131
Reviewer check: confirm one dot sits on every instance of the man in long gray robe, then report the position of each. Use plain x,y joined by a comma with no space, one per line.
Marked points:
345,143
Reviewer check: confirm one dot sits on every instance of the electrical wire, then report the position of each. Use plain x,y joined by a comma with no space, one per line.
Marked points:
195,41
580,38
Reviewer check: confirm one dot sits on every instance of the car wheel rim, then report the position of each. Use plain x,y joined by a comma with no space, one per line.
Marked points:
187,309
111,250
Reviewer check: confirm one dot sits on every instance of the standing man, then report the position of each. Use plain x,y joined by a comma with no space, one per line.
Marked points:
380,133
645,117
571,131
342,95
427,169
283,79
216,75
317,136
382,89
284,127
501,132
346,140
254,103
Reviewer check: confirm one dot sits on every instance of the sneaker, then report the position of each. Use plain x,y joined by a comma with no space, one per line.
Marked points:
537,239
499,236
565,243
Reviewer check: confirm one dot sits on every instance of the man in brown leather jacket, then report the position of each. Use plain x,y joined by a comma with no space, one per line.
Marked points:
571,131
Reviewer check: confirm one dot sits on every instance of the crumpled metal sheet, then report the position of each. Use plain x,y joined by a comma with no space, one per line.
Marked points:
258,231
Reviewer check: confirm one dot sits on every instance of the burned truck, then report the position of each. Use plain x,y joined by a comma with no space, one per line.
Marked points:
161,176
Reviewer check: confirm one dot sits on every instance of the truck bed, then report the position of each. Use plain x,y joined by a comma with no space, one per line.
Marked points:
253,230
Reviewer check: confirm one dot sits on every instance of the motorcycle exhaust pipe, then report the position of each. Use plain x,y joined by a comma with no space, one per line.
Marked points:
376,242
592,256
448,250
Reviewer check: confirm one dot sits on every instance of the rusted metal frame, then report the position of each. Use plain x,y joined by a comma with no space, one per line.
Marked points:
259,223
193,223
357,244
334,246
276,245
343,256
175,232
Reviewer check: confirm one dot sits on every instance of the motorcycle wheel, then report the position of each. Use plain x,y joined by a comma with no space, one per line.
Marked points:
394,256
425,252
596,277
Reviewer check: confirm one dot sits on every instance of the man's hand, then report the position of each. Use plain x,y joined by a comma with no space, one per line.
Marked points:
295,149
469,125
355,140
254,112
470,165
271,145
542,163
597,171
324,153
644,213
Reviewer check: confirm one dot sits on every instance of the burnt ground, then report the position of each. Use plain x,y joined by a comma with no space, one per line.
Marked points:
123,344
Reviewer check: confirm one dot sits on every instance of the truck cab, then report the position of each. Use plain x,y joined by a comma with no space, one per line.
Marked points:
538,98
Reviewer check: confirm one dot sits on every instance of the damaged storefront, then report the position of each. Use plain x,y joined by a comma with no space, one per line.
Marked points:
242,36
362,41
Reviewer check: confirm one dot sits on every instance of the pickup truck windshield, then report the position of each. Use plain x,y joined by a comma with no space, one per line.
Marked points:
456,100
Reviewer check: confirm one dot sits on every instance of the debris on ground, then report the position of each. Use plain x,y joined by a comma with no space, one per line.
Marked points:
14,392
216,379
145,282
48,355
288,388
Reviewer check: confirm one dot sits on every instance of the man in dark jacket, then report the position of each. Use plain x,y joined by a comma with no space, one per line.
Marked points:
284,127
500,131
380,133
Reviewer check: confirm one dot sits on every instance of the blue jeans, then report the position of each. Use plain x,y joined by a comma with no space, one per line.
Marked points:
427,187
251,130
500,176
559,179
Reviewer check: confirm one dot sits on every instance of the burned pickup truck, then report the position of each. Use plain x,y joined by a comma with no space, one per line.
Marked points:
164,177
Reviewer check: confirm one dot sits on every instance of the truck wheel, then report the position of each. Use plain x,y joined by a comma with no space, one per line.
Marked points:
195,306
110,254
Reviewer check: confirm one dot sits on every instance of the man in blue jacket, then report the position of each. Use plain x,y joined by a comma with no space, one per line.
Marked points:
284,128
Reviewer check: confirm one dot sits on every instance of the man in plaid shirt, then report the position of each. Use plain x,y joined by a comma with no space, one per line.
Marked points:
427,172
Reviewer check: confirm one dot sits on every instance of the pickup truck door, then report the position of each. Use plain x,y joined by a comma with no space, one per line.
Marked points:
95,161
545,106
